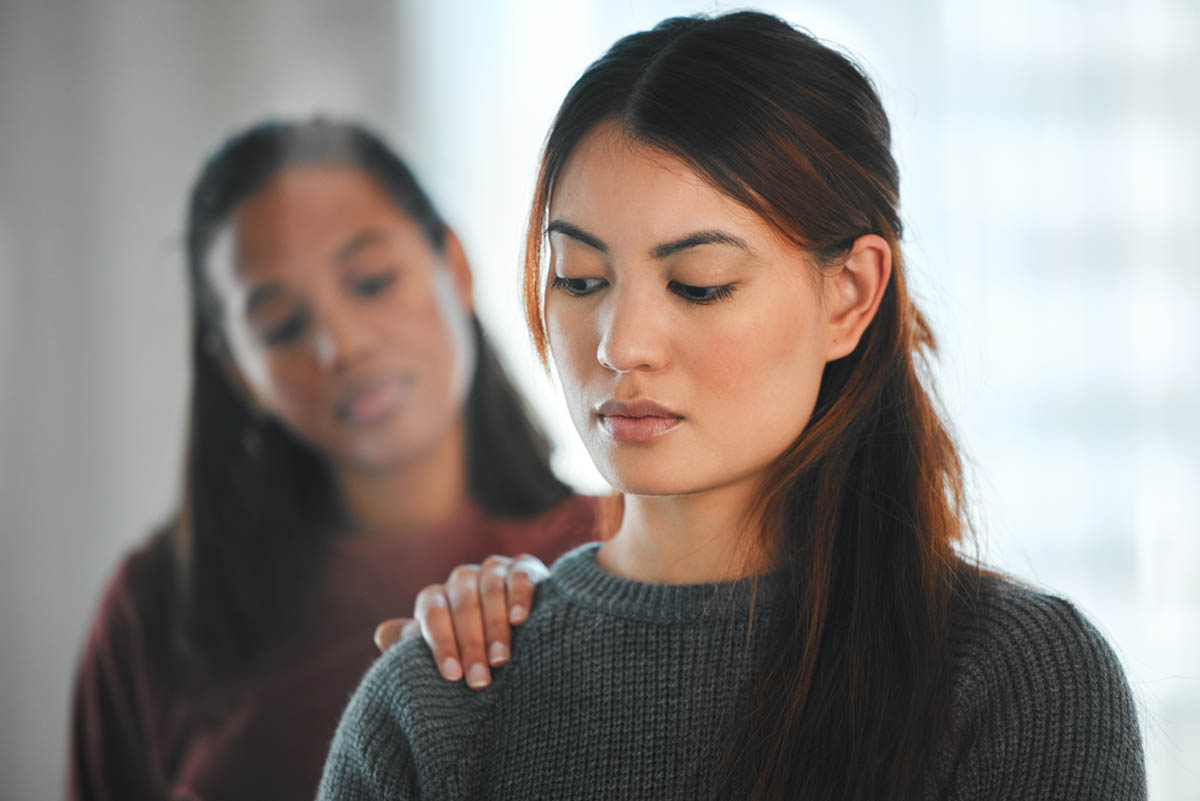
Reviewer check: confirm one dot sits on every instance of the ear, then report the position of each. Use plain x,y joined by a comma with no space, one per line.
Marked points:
853,294
456,261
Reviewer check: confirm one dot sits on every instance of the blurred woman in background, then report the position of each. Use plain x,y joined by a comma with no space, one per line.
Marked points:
351,437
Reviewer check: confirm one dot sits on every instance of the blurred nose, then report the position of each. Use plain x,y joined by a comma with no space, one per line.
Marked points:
342,338
633,332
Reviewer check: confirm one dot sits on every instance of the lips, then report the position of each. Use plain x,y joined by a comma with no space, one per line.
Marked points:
374,400
638,421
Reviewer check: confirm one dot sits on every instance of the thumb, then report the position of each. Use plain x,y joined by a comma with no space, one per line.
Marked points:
390,632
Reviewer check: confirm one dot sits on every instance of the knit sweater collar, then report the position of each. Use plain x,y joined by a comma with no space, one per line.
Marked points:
580,578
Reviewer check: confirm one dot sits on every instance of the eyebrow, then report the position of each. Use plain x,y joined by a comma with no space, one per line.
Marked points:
357,243
696,240
692,240
566,229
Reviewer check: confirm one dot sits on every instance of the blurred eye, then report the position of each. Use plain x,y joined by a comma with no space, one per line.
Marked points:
373,285
577,286
701,294
287,331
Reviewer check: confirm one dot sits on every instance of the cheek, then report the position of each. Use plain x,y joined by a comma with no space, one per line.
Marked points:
760,375
284,381
294,388
573,343
434,336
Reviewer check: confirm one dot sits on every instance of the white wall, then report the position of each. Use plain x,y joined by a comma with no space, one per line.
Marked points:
1050,185
106,109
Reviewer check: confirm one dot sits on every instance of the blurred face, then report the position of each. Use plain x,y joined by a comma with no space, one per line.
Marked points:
341,318
689,337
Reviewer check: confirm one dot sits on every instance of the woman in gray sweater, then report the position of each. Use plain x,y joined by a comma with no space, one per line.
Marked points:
782,612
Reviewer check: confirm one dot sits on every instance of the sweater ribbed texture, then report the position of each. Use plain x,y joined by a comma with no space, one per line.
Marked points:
619,689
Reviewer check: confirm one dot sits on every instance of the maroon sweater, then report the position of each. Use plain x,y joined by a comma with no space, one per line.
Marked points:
141,729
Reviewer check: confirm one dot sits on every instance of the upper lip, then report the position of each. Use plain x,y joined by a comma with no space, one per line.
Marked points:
640,407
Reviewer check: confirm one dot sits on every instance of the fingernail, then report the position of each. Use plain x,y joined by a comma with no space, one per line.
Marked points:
516,614
498,653
477,676
451,670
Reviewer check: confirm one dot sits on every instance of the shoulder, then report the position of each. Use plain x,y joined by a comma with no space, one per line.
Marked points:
407,727
121,670
405,681
1007,630
137,602
1038,692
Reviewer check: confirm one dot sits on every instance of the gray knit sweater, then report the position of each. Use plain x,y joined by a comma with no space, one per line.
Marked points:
617,690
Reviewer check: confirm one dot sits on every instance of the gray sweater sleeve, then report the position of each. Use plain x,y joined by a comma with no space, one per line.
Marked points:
1042,708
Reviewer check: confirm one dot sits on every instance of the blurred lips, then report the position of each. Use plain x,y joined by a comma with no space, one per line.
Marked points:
374,400
636,421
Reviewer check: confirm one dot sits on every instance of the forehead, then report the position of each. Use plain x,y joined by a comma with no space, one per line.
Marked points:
304,214
624,190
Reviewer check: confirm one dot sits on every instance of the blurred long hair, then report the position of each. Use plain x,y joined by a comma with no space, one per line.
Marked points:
258,503
865,507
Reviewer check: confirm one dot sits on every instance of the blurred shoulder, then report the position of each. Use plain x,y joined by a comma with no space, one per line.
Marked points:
587,517
140,593
571,522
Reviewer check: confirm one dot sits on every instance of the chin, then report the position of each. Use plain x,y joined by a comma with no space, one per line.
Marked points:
376,454
649,479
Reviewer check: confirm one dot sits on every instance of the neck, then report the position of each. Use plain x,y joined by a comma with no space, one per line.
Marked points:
424,492
698,538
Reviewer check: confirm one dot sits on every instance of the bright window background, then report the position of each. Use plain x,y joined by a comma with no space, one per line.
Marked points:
1050,181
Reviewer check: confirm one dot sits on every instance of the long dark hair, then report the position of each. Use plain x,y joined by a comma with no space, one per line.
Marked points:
258,503
865,507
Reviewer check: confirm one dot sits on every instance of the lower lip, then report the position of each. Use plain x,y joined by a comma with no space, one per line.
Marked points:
637,429
375,404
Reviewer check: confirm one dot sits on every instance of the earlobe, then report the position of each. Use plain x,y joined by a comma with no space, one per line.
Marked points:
456,261
856,292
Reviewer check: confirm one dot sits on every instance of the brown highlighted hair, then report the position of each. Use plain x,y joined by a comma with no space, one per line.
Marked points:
865,508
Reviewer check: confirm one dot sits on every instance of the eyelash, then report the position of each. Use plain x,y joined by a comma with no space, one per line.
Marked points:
711,294
288,331
373,285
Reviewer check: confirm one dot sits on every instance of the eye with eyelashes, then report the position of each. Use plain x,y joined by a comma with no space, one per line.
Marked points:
696,295
287,331
371,285
293,326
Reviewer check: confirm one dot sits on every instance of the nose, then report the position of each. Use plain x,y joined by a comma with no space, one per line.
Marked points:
632,333
341,338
